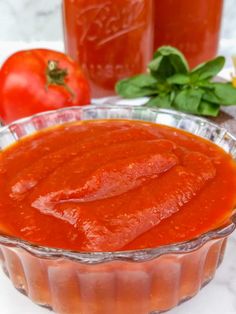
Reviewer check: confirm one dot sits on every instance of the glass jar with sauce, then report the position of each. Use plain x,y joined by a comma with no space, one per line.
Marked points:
110,39
193,26
115,39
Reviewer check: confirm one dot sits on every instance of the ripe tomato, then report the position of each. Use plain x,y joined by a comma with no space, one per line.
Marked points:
39,80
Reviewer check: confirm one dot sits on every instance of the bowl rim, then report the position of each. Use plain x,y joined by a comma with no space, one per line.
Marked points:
138,255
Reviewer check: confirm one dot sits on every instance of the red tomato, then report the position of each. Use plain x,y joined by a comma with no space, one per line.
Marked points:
39,80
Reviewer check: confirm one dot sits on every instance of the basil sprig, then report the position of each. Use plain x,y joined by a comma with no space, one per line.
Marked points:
170,84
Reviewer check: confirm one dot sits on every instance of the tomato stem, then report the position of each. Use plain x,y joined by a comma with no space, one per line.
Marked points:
56,76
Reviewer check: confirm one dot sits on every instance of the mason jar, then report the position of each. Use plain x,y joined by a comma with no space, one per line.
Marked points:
110,39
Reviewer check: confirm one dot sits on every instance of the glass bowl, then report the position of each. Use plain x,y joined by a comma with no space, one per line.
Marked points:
141,281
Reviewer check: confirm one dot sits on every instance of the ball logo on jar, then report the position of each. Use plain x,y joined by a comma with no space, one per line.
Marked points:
102,23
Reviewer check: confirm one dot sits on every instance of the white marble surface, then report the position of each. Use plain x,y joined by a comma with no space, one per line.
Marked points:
41,20
30,20
219,297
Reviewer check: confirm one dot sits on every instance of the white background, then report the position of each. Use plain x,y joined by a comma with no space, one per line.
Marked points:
41,20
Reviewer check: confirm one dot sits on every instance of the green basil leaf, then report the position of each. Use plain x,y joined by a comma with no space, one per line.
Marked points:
206,85
188,100
208,70
179,79
168,61
176,57
161,68
226,92
210,96
137,86
172,95
160,101
170,84
155,64
208,109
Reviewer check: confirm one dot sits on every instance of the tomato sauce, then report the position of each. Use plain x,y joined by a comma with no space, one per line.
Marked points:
111,185
110,39
193,26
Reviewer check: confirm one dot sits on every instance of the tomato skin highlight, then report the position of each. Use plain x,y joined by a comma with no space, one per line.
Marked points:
24,86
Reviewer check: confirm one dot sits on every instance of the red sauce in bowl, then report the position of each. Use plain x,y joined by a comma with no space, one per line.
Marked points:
109,185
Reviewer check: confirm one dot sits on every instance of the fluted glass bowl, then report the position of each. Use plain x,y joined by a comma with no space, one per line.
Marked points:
131,282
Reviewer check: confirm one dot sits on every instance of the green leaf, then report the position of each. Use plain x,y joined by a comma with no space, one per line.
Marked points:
194,103
208,70
172,95
179,79
155,64
168,61
226,93
137,86
210,96
188,100
160,101
170,84
176,57
205,85
161,68
143,80
208,109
